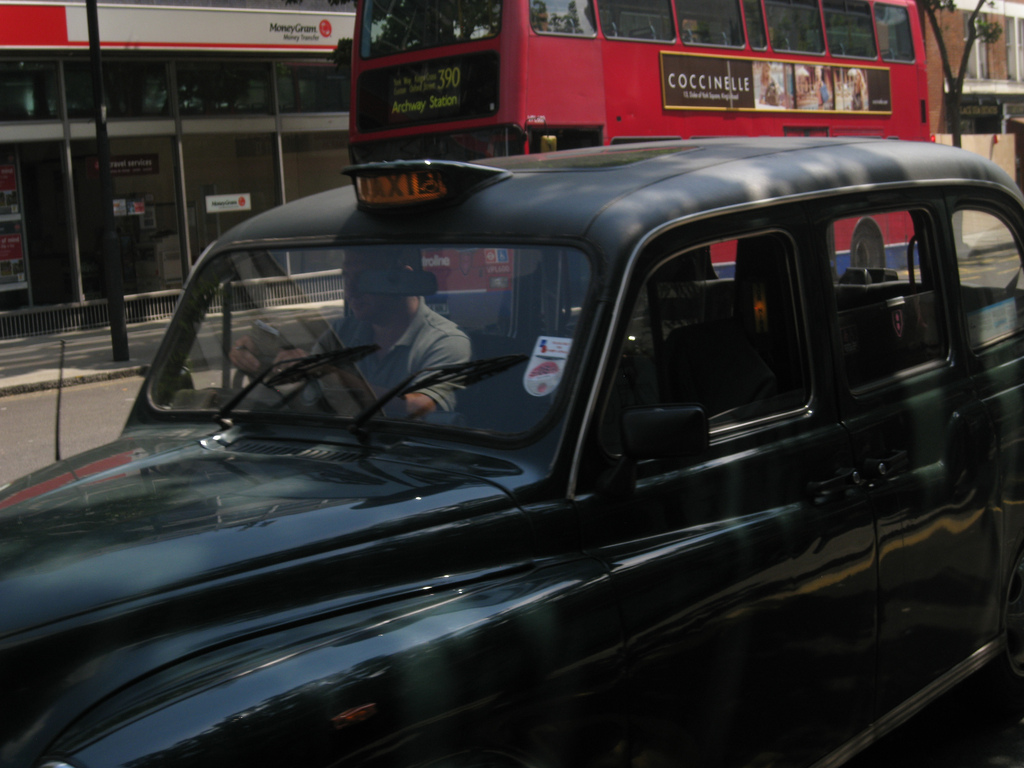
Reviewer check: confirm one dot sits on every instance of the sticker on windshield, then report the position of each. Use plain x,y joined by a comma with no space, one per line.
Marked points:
546,365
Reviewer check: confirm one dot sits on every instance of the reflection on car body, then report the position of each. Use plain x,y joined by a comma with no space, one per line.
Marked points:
730,475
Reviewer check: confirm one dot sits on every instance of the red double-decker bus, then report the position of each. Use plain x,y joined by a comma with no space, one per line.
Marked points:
464,79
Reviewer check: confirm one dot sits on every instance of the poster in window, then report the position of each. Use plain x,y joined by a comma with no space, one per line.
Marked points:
12,254
8,186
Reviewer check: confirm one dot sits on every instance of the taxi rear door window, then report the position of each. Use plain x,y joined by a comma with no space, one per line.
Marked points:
989,265
885,280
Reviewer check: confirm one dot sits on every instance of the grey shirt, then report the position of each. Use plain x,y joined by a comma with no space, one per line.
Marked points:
430,340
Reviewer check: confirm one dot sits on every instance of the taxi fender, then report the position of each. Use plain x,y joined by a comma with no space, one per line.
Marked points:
488,667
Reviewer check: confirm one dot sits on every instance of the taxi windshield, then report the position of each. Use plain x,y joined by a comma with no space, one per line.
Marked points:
470,336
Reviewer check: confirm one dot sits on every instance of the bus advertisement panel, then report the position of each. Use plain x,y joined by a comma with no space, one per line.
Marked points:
691,81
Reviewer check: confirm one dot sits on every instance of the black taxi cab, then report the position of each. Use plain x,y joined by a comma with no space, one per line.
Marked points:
698,453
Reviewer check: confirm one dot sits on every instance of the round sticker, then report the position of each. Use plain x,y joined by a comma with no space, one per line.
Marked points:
543,378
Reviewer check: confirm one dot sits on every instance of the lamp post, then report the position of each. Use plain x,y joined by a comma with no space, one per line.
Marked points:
111,248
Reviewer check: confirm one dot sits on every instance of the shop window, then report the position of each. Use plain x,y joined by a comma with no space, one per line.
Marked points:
890,318
849,29
311,162
313,87
638,19
229,177
28,90
220,88
977,61
990,269
894,36
145,214
701,23
795,25
130,89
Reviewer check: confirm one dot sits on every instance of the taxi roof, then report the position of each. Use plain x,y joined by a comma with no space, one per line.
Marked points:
613,196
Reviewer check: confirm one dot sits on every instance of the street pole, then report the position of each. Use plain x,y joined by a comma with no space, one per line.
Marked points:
111,248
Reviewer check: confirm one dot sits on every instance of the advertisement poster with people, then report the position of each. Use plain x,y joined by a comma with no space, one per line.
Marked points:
8,185
773,85
12,255
12,250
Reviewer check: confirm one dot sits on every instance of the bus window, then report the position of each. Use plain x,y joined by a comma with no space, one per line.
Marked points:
755,24
701,23
894,35
392,26
638,19
562,17
849,29
795,25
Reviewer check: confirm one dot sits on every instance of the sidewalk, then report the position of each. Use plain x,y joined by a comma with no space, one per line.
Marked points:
31,364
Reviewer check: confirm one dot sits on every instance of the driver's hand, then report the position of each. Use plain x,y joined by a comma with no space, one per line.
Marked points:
418,405
292,353
243,356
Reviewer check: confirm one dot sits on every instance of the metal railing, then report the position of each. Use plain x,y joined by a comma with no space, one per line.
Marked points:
78,316
139,308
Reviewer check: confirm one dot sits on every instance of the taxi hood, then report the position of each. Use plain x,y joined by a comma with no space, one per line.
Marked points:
169,550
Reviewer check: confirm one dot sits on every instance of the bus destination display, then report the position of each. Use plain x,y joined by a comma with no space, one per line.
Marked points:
726,83
429,91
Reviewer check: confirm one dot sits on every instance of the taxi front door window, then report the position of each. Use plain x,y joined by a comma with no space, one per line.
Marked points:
716,326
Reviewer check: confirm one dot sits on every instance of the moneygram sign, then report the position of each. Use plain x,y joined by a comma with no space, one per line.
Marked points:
28,26
228,203
302,31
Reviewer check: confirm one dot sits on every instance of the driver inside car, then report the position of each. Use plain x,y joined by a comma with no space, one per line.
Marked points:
409,334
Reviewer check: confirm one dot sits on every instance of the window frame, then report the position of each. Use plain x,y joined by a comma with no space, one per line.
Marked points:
933,250
592,20
896,9
805,7
785,229
830,36
985,348
609,29
686,14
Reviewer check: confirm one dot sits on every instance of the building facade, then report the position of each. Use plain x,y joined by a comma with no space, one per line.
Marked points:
216,111
993,91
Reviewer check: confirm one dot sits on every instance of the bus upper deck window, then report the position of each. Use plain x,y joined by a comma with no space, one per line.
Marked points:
563,17
701,23
795,25
755,24
894,36
849,28
392,27
637,19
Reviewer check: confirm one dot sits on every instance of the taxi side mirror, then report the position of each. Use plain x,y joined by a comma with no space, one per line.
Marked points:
664,431
654,432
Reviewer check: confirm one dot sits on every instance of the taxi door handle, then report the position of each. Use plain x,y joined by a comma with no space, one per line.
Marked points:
895,462
845,477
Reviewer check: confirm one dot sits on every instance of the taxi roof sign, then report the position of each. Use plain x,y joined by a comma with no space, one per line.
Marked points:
404,184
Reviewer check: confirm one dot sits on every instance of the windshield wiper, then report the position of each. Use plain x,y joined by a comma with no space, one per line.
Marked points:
466,374
299,369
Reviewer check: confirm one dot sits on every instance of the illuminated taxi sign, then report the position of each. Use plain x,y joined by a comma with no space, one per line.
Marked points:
405,184
406,188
